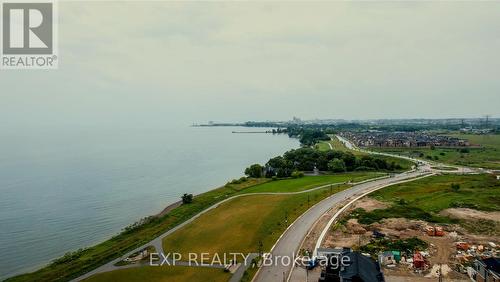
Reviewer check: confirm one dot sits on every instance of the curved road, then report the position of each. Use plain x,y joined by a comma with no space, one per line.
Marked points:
290,241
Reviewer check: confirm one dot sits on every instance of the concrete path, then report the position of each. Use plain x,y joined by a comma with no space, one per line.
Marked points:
241,270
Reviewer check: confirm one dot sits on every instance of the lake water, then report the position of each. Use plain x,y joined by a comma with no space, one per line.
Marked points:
62,191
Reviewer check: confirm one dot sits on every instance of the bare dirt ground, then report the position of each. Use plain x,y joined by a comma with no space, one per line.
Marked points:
470,214
442,250
370,204
391,276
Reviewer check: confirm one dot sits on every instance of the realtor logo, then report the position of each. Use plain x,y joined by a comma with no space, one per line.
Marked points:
28,35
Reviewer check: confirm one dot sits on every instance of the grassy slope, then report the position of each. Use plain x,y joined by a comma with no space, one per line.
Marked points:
488,155
164,273
424,199
103,252
433,194
239,225
308,182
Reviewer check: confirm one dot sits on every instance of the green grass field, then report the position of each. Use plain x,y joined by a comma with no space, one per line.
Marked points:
240,224
163,274
433,194
487,155
308,182
425,198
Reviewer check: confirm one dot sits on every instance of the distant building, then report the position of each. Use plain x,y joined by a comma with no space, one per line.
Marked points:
402,139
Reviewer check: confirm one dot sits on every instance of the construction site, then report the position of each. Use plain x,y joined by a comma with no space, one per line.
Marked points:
414,250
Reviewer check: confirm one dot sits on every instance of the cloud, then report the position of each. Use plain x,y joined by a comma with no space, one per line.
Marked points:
204,60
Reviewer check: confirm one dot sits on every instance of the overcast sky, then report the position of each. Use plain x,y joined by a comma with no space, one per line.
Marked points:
134,63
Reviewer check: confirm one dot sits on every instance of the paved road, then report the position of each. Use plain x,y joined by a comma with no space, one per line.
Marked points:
290,241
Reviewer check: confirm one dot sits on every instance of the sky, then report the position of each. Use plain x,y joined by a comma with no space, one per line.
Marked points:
155,63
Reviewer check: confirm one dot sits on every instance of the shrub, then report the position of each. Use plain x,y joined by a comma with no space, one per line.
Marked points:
464,150
297,174
254,171
455,187
336,165
187,198
364,168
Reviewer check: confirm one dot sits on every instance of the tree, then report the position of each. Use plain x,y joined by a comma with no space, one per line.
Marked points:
187,198
336,165
279,167
455,187
254,171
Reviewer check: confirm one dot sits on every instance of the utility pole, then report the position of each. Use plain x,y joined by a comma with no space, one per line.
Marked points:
260,248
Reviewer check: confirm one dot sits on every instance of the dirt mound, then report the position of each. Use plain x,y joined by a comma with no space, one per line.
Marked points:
470,214
354,227
370,204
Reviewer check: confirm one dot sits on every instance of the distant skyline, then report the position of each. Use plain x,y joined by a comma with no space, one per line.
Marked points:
151,63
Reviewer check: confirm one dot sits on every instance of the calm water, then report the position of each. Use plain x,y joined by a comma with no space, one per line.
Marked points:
63,191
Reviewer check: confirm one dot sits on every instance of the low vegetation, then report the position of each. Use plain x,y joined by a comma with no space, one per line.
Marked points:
308,182
240,225
164,273
433,194
409,245
424,199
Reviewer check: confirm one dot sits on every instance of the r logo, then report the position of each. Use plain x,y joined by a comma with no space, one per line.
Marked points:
27,28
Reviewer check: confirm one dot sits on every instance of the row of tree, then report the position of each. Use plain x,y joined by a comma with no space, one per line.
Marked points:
308,159
309,136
